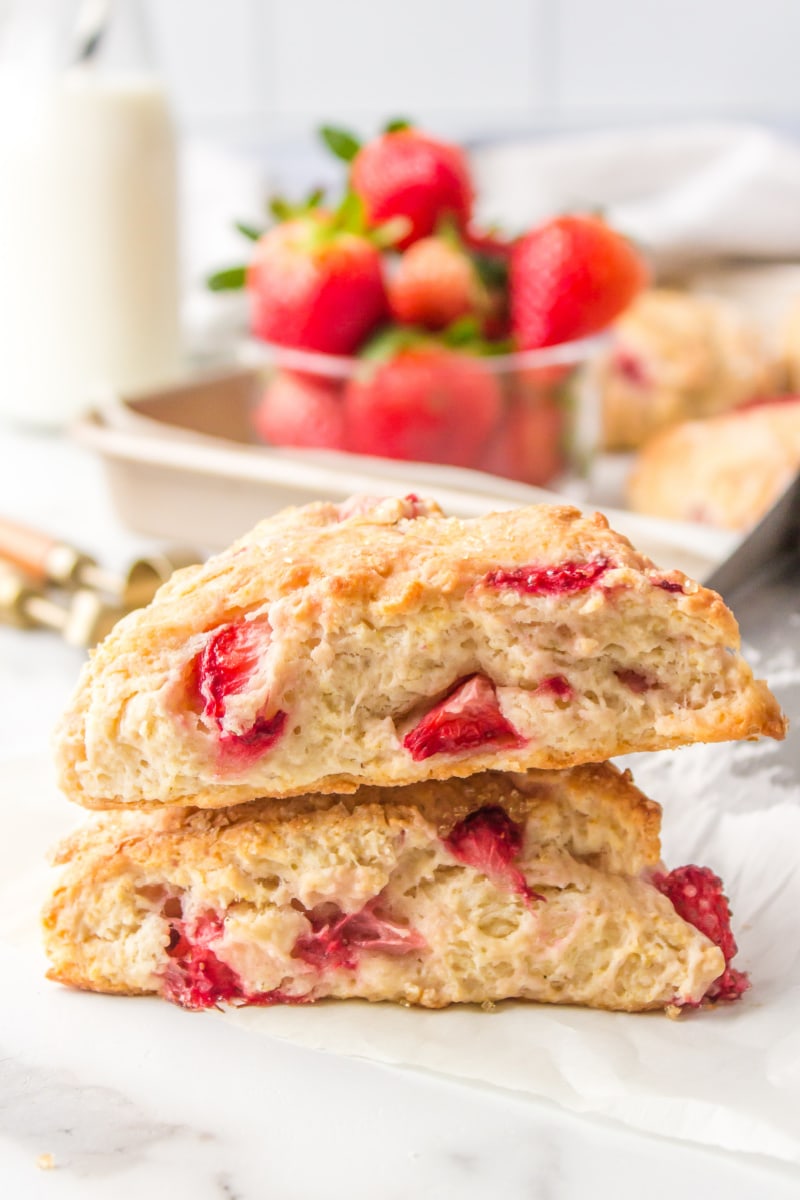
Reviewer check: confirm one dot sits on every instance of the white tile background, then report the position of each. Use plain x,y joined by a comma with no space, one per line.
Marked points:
267,70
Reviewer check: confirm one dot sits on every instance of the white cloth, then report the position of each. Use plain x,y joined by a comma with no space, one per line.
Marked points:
686,193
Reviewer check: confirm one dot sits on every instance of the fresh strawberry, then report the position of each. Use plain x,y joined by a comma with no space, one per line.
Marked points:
436,282
528,445
301,410
315,285
426,403
405,173
468,719
571,277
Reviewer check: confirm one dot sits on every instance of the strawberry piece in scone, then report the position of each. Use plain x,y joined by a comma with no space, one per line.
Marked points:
228,667
470,716
697,895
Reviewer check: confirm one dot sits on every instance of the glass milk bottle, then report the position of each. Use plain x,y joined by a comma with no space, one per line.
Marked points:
88,222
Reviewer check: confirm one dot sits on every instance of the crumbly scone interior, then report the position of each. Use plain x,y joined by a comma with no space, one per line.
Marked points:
354,638
385,896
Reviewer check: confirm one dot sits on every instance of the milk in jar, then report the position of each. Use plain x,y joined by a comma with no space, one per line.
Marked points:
88,239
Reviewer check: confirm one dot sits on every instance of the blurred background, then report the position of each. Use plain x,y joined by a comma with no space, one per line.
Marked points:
266,72
136,134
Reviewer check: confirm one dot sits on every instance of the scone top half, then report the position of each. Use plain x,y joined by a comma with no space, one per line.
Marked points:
379,642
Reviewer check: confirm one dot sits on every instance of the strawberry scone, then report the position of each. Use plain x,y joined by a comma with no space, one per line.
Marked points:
676,356
544,886
727,470
378,642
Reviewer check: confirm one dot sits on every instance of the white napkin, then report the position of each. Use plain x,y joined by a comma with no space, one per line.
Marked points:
687,192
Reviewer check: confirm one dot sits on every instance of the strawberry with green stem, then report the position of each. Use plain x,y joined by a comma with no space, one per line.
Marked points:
406,173
316,282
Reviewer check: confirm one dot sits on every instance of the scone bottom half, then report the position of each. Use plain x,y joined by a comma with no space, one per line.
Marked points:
381,643
545,886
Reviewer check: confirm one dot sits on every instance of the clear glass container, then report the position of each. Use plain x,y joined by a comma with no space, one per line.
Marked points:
88,210
531,416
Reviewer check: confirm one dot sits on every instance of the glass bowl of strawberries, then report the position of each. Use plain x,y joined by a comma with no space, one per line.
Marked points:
393,326
525,416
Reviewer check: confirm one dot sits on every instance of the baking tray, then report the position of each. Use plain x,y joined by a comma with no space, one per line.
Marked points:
183,464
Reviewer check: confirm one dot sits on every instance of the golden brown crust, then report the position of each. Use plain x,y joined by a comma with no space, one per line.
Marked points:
376,616
598,794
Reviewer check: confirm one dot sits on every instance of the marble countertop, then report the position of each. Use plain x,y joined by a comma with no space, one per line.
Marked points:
133,1097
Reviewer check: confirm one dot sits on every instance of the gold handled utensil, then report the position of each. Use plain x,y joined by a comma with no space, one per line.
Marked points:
83,620
46,560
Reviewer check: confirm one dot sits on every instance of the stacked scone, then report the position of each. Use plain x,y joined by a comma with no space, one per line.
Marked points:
362,754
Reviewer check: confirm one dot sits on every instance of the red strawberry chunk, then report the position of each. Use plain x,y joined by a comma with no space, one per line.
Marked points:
337,938
226,666
416,507
489,841
630,366
245,748
562,579
229,658
697,895
633,680
557,686
196,978
360,506
668,585
467,719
